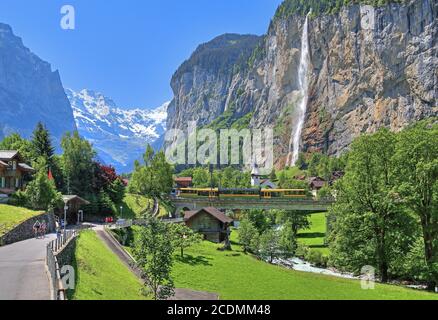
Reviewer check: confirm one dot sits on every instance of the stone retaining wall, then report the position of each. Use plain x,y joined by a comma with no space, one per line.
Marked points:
66,255
24,230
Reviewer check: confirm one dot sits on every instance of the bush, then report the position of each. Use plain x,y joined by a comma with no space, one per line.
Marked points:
19,199
317,259
302,251
124,236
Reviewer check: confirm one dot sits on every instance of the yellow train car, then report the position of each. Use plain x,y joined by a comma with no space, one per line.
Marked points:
213,193
196,192
283,193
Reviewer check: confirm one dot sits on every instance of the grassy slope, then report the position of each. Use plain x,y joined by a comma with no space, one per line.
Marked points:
134,205
100,274
12,216
314,237
234,275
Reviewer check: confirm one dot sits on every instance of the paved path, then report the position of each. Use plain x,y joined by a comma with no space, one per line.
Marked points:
23,273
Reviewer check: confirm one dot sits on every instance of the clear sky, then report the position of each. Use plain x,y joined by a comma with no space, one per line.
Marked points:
129,49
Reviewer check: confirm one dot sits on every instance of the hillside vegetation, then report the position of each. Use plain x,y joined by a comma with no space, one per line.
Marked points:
318,7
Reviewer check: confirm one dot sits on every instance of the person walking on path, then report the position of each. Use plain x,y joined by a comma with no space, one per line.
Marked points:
43,229
36,228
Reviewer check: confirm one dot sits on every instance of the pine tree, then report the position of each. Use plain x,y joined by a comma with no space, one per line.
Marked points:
42,145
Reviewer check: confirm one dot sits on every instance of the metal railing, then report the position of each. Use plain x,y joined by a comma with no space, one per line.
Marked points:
53,249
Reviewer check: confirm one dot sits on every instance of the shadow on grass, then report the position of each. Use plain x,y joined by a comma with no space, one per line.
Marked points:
194,261
311,235
318,246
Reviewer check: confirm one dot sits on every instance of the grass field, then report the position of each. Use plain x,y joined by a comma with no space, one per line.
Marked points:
134,206
12,216
100,275
234,275
314,238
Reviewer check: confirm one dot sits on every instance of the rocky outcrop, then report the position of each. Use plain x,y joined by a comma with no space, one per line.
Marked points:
360,78
202,83
30,91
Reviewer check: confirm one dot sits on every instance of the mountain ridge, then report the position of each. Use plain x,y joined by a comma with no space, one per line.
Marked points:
30,91
119,135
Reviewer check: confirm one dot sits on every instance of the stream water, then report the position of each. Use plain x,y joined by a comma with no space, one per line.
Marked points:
301,265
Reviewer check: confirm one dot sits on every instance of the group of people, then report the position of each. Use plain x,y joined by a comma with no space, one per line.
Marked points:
40,229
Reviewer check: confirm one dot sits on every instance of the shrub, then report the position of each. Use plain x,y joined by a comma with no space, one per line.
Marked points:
302,251
317,259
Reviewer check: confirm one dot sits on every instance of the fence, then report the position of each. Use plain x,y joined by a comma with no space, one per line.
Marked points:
53,249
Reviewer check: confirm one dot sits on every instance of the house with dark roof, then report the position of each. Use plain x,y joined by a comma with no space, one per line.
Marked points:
13,171
184,182
210,222
317,183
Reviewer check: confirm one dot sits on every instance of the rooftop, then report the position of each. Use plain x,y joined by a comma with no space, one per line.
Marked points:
210,210
7,154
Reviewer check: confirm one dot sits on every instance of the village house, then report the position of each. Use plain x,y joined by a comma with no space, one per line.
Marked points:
183,182
317,183
210,222
13,172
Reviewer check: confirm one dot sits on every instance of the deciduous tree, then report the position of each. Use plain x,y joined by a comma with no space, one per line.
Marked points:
416,175
153,252
183,237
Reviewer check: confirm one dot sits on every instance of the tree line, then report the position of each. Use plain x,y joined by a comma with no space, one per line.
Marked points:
386,213
74,172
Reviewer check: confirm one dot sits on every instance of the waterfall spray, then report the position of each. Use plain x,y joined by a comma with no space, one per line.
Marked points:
303,83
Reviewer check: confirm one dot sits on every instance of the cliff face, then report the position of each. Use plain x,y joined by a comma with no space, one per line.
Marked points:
202,83
360,79
30,91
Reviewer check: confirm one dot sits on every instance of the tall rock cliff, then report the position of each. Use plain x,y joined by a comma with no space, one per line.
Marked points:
30,91
202,83
360,78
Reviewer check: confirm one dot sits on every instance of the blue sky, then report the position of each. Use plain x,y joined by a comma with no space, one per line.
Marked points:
129,49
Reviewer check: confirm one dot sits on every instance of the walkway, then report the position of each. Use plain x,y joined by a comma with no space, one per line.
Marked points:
23,273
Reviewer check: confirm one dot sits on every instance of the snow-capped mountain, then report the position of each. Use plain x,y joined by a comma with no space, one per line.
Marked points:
120,136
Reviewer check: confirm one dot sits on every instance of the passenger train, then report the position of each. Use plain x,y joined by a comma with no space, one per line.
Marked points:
214,193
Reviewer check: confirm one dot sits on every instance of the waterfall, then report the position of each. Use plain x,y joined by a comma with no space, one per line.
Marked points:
303,83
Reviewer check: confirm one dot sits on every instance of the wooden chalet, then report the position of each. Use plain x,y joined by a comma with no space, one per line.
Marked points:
183,182
210,222
13,172
317,183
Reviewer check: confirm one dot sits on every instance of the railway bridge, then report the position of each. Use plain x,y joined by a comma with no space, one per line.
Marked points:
307,206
